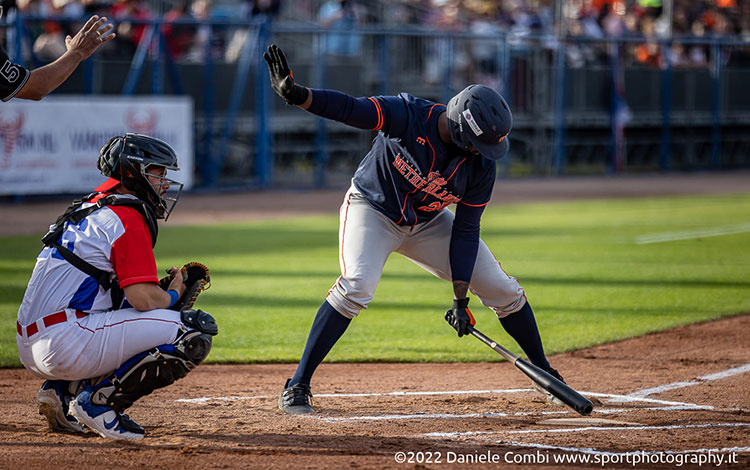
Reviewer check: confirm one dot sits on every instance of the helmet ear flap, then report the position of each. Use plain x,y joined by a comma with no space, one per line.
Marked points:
109,157
455,126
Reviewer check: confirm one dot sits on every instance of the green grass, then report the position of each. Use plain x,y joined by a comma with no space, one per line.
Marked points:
588,282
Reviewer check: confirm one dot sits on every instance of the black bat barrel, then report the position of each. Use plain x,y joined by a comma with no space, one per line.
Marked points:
566,394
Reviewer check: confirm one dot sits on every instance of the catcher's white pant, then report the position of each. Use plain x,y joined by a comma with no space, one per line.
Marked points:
367,238
97,344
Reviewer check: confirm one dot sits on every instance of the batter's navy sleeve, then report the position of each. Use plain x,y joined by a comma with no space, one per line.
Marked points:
373,113
465,241
356,112
480,182
12,77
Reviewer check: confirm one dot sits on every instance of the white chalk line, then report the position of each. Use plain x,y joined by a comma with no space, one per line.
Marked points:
638,396
706,378
588,450
202,400
625,398
416,416
633,397
586,429
397,393
691,234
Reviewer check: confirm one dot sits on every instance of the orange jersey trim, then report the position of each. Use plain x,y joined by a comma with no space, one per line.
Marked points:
432,149
379,125
474,205
430,113
456,169
406,198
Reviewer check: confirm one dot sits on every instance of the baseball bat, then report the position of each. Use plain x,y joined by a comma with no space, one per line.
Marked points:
545,380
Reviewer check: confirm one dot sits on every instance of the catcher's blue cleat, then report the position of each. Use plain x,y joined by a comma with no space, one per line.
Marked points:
102,419
54,399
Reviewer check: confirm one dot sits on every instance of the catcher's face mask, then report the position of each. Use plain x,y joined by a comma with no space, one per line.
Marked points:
163,192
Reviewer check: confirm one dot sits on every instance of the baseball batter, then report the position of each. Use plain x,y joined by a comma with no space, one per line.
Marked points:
426,156
94,322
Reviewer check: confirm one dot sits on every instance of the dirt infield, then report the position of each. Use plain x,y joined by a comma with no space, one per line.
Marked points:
368,413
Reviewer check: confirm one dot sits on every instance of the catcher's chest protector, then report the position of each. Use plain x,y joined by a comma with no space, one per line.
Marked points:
75,214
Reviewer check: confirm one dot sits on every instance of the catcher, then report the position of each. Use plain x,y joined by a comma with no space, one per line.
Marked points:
95,321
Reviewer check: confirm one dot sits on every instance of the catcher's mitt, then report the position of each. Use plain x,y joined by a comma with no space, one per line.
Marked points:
197,279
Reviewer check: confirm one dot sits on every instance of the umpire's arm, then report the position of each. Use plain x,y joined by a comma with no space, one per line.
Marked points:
45,80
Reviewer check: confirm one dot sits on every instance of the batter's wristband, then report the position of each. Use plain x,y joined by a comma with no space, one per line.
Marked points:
461,303
297,95
174,295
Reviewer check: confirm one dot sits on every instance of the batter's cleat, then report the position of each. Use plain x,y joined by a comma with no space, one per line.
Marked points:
295,400
551,399
54,401
102,419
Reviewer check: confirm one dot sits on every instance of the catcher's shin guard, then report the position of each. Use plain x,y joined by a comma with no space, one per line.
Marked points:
156,368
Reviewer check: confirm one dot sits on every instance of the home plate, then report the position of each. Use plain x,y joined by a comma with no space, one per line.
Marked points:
586,422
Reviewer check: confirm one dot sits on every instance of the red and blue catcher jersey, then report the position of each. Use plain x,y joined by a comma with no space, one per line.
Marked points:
115,239
410,174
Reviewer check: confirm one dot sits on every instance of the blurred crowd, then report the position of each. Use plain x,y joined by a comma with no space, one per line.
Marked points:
186,36
646,22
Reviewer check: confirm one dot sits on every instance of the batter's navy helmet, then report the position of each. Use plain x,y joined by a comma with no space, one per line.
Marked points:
480,117
126,159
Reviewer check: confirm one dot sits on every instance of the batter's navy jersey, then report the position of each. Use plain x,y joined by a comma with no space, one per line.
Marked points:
410,175
12,77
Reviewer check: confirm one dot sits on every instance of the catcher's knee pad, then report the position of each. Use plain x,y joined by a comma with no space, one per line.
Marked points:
152,369
199,320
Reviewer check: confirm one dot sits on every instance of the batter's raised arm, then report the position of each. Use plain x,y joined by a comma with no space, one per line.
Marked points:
362,113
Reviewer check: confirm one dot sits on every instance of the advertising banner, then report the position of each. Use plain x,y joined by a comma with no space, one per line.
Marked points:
52,146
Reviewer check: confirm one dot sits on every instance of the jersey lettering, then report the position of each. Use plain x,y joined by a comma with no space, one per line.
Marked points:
409,167
433,207
10,72
67,240
433,185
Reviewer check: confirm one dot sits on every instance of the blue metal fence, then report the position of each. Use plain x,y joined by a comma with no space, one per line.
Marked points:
557,112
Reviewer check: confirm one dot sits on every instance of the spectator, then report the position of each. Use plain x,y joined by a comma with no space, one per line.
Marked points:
50,44
448,17
342,18
238,38
130,34
269,8
201,11
484,52
649,53
178,37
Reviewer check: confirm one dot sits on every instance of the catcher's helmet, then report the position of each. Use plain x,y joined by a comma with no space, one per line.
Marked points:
478,116
127,158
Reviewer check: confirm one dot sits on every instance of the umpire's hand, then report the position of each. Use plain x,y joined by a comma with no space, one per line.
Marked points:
92,35
460,317
282,80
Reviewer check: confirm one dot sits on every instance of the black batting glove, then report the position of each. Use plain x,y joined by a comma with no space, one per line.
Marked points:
460,317
282,80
